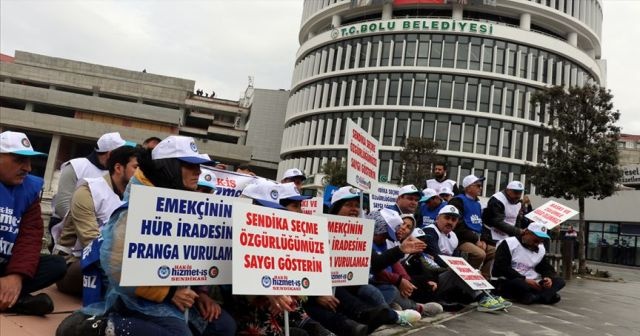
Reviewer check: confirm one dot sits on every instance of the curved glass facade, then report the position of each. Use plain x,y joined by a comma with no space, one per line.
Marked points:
468,90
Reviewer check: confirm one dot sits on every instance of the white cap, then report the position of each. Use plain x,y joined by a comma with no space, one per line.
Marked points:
110,141
16,143
207,179
393,221
344,193
179,147
449,210
428,193
289,191
515,185
264,192
293,172
538,229
446,190
417,232
471,179
409,189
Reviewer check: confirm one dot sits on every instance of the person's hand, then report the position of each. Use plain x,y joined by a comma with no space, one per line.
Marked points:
10,287
433,285
412,245
534,284
184,298
406,288
280,303
481,244
546,282
208,308
329,302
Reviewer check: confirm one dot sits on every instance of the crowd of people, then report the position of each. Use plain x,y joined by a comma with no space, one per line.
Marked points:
408,278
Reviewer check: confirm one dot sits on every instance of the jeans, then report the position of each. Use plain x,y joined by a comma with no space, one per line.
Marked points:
50,269
334,321
224,325
392,295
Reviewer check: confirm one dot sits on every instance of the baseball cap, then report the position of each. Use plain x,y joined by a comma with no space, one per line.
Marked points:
293,172
417,232
471,179
409,189
392,220
264,192
446,191
515,185
538,229
16,143
179,147
449,210
207,179
289,191
428,193
345,193
110,141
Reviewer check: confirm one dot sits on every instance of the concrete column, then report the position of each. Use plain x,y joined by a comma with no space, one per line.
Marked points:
525,21
572,39
51,162
457,12
387,11
336,21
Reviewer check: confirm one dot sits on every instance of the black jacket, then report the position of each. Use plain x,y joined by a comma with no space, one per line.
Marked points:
493,216
502,264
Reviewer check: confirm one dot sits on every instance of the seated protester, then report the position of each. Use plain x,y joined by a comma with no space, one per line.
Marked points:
23,270
446,193
429,206
480,254
393,281
442,241
503,215
524,273
149,310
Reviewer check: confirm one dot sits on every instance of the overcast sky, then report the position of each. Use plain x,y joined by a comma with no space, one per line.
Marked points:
219,43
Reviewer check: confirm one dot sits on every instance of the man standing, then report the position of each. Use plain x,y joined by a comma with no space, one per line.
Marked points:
441,180
22,269
528,275
502,216
470,227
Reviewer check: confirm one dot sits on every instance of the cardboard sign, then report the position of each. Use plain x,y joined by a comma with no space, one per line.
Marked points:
177,238
551,214
312,206
384,196
350,239
362,158
467,273
277,252
230,183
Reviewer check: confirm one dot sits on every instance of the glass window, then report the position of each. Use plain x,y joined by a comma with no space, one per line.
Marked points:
534,64
441,134
524,60
504,175
394,84
368,93
494,139
365,120
377,123
491,178
474,53
500,52
543,60
418,91
519,135
454,136
386,50
445,91
423,50
435,58
530,144
448,51
358,93
416,125
497,97
458,93
511,71
347,91
382,88
338,91
472,94
432,90
506,142
410,49
398,45
508,107
401,130
485,94
387,137
521,101
463,52
384,166
469,131
487,63
363,51
373,53
405,91
429,129
352,55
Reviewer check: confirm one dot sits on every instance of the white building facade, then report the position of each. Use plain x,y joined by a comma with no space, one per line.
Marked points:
462,75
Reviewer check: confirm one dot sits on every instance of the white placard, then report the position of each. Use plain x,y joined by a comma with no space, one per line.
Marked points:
551,214
467,273
312,206
230,183
362,158
384,196
277,252
176,237
350,239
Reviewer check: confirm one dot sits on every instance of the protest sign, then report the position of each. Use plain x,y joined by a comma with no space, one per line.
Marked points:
350,239
312,206
176,237
362,158
384,196
277,252
468,274
551,214
230,183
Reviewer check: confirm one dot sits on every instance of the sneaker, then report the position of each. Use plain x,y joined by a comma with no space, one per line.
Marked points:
489,304
430,309
38,305
408,316
503,302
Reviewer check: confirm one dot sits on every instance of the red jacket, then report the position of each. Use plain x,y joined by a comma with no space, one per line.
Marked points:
26,250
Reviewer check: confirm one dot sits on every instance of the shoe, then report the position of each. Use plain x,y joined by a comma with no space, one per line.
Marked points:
489,304
408,316
38,305
503,302
356,329
431,309
554,299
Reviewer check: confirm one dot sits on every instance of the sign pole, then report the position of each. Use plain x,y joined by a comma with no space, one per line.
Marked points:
286,323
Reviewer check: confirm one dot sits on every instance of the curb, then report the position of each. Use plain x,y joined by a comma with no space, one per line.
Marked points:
427,322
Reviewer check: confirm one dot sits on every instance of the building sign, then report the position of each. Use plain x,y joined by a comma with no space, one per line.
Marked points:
630,174
417,25
384,196
551,214
467,273
277,252
362,158
177,238
350,239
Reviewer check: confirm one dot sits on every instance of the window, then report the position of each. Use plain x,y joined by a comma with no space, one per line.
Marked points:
472,94
487,63
394,84
377,123
398,45
435,58
373,58
382,88
463,51
363,51
347,91
405,90
469,134
500,52
442,131
497,97
511,55
401,130
423,50
410,49
358,93
418,90
474,53
485,94
416,125
494,138
387,136
524,60
509,93
449,51
458,93
506,140
454,134
368,93
428,130
445,91
432,90
386,50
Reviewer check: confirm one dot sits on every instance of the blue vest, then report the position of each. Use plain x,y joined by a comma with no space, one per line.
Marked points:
472,213
429,216
14,201
94,284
